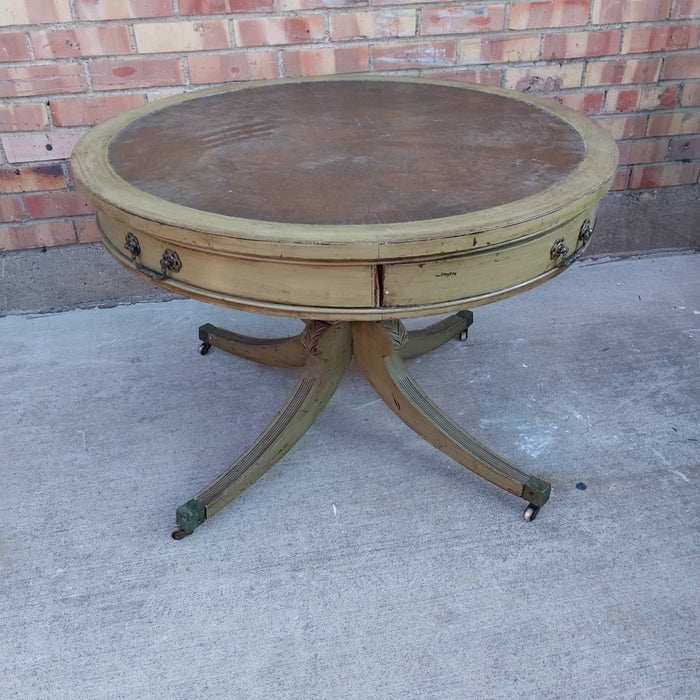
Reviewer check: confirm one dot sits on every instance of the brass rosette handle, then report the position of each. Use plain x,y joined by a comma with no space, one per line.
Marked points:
559,248
170,261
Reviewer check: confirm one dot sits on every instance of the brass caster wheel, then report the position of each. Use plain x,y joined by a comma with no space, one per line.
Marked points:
204,348
178,533
531,513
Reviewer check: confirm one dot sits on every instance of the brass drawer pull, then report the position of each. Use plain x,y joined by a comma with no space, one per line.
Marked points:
560,249
170,260
586,231
133,246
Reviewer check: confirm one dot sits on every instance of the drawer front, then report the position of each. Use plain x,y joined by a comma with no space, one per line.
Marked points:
490,272
267,281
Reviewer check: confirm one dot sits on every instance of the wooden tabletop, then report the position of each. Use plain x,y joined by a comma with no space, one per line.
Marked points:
352,152
347,197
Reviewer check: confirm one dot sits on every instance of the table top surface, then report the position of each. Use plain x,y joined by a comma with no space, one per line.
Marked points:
346,152
363,168
347,197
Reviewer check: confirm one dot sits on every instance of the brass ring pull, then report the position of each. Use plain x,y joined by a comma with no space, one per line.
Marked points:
586,232
132,245
169,261
560,249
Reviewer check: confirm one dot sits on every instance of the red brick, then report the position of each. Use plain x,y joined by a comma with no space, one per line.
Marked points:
40,145
667,175
373,25
30,178
686,9
326,61
27,116
17,12
269,31
102,40
57,78
685,148
136,73
13,46
626,100
678,67
86,230
556,76
624,127
588,103
292,5
623,149
10,209
462,20
646,151
672,124
658,97
563,13
216,7
634,70
486,76
500,49
414,55
659,38
618,11
95,10
378,3
37,235
581,44
621,179
690,95
221,68
57,204
84,111
175,37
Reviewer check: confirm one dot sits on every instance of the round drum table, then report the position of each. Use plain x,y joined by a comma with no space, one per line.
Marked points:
350,203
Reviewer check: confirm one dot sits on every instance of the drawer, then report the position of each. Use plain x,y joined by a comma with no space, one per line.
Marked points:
486,273
209,274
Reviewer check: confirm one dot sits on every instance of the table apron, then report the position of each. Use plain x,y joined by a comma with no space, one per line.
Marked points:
344,290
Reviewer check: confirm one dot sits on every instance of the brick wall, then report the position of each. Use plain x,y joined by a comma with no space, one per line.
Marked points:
634,65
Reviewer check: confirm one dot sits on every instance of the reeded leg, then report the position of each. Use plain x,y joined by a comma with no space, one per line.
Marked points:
327,350
278,352
377,351
427,339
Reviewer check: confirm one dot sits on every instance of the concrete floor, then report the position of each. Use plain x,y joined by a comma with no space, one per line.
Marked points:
365,564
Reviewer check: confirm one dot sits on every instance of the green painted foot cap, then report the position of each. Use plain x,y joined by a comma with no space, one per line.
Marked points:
190,516
467,315
536,491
